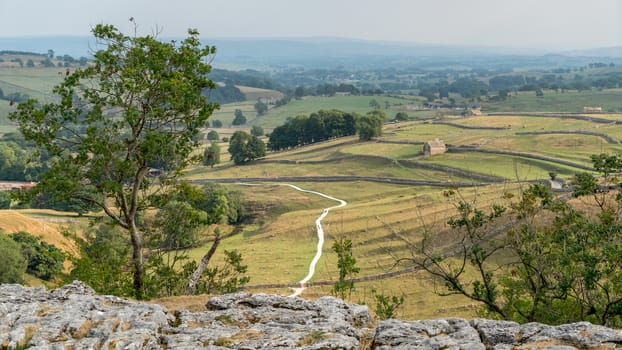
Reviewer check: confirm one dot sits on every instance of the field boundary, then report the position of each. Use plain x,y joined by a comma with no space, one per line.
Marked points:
395,181
579,132
521,154
558,115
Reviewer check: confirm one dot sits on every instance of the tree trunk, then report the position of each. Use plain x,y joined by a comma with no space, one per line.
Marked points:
137,259
194,279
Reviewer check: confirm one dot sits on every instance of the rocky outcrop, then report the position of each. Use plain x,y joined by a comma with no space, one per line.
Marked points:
75,317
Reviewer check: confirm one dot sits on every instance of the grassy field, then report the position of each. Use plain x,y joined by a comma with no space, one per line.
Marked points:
252,94
280,249
571,101
308,105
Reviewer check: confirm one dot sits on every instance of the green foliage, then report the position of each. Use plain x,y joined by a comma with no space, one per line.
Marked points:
401,116
346,263
44,260
373,103
5,200
561,263
239,118
104,260
257,131
12,261
226,94
386,306
212,135
261,107
177,226
244,147
370,126
217,123
211,155
319,126
225,278
13,160
141,102
39,198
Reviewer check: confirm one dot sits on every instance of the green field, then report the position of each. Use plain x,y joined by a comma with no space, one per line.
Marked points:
571,101
310,104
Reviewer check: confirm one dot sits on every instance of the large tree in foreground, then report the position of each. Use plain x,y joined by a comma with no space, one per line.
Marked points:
139,103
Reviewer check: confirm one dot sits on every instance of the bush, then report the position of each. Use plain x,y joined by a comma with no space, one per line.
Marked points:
12,261
103,261
44,259
257,131
5,200
213,135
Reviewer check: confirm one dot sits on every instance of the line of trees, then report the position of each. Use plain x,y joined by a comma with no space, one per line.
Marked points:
302,130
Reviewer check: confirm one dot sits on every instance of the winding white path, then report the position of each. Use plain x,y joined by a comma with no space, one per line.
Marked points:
320,234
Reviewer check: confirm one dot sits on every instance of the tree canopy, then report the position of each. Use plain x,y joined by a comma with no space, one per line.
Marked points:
244,147
320,126
141,101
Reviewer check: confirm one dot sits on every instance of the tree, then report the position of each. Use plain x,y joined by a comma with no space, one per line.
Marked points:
244,147
211,156
217,123
561,262
13,161
299,92
213,135
369,126
47,62
257,130
374,104
239,118
346,263
30,63
104,254
401,116
261,107
140,101
5,200
12,261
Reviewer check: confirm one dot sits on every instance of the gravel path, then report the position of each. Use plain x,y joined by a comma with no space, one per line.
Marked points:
320,236
320,233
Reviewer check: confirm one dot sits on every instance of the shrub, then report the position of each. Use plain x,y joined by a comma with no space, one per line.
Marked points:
12,261
44,259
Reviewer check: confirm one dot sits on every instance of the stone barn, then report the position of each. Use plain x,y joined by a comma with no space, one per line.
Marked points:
435,147
592,109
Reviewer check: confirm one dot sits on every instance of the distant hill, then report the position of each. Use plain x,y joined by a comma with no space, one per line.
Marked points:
615,51
331,52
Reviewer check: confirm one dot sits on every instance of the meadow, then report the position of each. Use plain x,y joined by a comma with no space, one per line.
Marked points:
554,101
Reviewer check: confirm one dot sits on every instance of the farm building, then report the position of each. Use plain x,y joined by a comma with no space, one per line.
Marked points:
16,185
435,147
592,109
472,112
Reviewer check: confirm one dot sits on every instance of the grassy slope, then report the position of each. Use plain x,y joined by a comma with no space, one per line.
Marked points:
46,224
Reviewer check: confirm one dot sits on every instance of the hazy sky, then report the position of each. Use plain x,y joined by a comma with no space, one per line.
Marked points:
542,24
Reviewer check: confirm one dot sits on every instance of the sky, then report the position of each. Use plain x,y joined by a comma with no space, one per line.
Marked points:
535,24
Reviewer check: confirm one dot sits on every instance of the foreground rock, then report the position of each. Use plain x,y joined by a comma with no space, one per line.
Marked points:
76,317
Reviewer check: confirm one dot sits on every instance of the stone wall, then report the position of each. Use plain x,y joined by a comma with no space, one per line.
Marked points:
75,317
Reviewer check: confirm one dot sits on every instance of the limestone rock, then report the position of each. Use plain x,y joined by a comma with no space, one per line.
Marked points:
75,317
